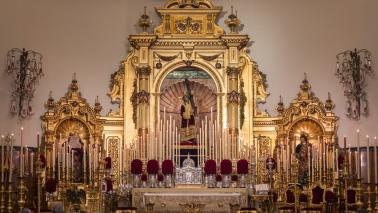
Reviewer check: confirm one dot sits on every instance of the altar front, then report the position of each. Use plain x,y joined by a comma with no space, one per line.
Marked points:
189,199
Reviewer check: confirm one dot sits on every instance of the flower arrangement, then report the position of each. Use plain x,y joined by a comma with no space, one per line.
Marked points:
152,167
218,178
167,167
50,185
234,178
108,163
42,160
242,167
136,167
210,167
144,177
226,167
160,177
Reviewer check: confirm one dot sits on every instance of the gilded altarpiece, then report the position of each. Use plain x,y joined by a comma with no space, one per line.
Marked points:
188,36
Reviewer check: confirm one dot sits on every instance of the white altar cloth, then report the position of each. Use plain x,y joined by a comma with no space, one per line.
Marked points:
190,199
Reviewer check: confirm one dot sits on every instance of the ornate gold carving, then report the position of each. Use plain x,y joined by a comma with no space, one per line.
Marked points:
307,114
233,97
263,154
167,58
232,22
143,70
114,145
259,80
188,3
134,101
233,71
210,57
189,17
233,40
243,102
188,26
73,107
143,97
280,106
329,103
116,87
138,41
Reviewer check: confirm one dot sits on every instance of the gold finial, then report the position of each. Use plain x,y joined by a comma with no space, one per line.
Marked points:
232,22
50,102
50,94
329,103
144,21
97,106
74,77
74,86
280,106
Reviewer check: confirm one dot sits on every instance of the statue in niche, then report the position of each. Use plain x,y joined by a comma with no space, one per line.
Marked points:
188,113
302,151
76,151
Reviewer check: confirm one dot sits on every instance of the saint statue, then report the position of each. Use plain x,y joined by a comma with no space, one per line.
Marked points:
76,146
302,151
188,113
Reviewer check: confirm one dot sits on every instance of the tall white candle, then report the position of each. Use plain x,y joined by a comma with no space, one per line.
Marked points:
350,160
2,158
358,165
375,160
21,154
368,158
11,159
53,158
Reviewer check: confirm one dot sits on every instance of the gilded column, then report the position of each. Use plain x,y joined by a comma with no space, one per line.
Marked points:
233,99
143,101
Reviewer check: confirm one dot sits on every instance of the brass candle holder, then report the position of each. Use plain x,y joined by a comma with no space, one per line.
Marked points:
21,192
2,201
359,194
10,204
376,197
369,192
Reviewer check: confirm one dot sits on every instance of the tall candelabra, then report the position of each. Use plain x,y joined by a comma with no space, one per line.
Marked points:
352,67
25,66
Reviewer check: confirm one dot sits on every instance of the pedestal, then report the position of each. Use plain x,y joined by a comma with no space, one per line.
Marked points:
2,202
21,192
10,206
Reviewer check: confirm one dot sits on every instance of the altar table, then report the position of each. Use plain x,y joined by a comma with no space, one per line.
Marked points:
172,200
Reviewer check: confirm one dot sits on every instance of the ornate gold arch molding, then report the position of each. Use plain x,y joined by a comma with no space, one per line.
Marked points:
71,113
307,114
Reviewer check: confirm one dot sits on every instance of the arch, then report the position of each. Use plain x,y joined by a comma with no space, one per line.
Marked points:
73,120
203,66
312,124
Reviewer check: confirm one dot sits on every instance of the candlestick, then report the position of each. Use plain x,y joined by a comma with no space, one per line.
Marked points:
376,174
2,158
358,165
11,159
376,163
21,154
368,158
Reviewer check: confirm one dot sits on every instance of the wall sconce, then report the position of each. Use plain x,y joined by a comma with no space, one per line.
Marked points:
25,67
352,66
